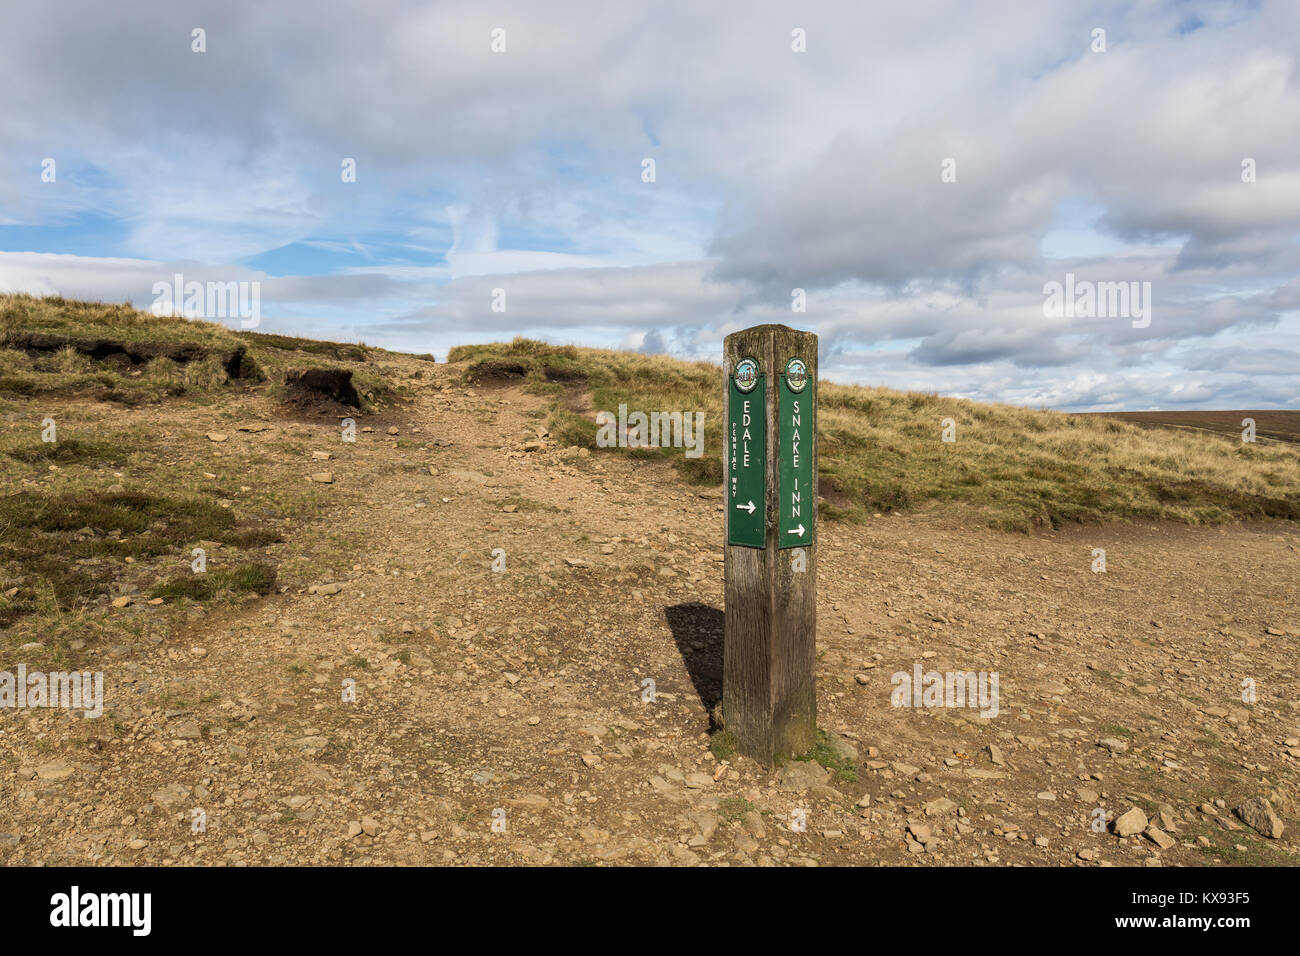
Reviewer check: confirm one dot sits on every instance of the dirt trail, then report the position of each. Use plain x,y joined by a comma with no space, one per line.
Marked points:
516,695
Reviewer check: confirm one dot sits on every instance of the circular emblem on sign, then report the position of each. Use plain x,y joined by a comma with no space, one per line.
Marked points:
746,375
796,375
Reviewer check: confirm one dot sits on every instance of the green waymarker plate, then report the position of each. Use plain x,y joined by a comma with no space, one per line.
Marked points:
796,496
747,464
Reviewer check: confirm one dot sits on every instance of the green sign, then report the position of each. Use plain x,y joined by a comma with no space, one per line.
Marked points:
796,494
747,459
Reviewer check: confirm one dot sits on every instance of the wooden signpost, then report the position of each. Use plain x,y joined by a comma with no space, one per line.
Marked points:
769,698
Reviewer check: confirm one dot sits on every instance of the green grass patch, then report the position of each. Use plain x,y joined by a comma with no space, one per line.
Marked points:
723,745
252,576
823,753
1115,730
734,808
64,549
69,451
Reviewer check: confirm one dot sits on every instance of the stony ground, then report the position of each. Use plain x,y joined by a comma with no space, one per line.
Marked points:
499,714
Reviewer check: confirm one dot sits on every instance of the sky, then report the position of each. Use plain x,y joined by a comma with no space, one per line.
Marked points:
922,171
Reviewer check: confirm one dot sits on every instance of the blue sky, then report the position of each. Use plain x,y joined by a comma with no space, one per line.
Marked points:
775,170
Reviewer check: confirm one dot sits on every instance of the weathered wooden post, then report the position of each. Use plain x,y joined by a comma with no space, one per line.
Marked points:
769,698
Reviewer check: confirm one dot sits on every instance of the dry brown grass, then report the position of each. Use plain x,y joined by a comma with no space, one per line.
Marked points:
882,449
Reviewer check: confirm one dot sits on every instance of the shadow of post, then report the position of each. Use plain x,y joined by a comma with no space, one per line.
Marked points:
698,631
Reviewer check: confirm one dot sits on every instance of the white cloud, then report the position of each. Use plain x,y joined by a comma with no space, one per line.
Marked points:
775,170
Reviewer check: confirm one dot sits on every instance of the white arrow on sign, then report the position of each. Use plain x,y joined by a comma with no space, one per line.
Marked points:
747,506
796,531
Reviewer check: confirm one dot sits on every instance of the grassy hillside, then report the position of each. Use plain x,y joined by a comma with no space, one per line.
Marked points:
116,353
881,449
122,497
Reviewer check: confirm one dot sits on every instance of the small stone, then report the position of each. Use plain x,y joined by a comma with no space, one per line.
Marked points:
684,856
55,770
842,747
1127,824
323,477
1259,815
187,730
530,801
1113,744
802,775
123,601
1159,837
939,807
171,795
708,824
217,436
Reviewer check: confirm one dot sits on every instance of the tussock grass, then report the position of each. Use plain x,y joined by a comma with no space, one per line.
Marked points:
340,351
69,531
57,315
881,450
65,548
70,450
69,371
252,576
